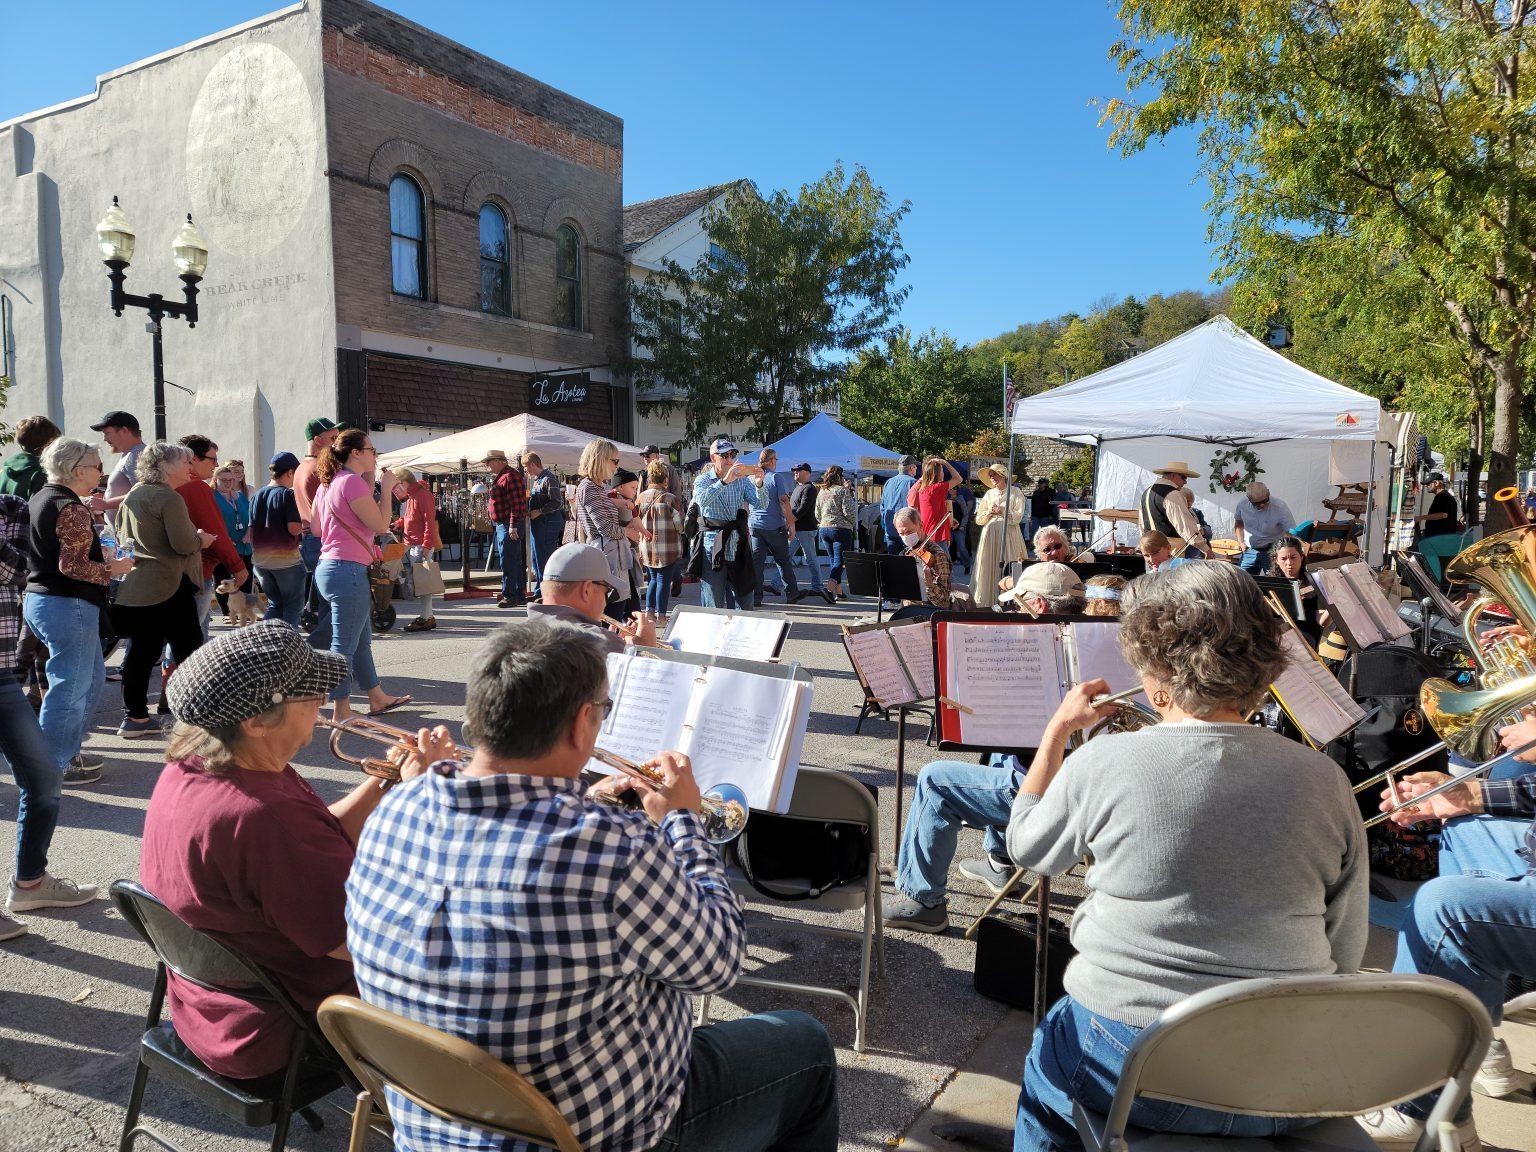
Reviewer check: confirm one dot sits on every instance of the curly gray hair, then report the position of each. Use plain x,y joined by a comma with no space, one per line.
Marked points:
156,458
64,455
1204,630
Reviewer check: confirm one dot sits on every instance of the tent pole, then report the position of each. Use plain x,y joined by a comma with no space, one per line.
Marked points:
1370,495
1002,553
1093,499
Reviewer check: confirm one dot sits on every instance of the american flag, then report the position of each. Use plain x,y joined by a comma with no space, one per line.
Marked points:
1009,398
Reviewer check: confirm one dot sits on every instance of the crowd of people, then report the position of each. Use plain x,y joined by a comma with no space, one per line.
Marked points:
565,936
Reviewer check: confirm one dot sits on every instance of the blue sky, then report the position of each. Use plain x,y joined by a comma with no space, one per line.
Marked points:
979,113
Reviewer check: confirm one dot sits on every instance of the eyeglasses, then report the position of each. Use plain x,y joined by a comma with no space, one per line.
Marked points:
1058,547
96,464
606,704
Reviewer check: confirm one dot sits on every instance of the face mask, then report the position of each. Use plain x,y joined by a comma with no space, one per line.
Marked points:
911,538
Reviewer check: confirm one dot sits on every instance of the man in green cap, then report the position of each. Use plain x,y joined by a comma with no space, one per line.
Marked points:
321,432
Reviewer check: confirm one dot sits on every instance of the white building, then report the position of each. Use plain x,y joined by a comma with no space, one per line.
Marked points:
655,231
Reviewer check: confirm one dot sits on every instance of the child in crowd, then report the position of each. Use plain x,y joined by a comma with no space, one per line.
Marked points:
1103,593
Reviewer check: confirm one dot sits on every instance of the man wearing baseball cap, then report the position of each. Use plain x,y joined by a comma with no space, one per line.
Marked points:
721,489
237,844
508,507
321,433
893,496
576,584
121,432
276,532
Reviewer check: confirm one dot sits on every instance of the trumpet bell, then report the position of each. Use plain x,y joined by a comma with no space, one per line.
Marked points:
724,813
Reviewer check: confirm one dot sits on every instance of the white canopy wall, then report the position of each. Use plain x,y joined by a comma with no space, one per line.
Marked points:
1211,389
558,446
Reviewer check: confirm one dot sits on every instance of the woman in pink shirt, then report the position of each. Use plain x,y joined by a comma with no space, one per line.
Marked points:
347,517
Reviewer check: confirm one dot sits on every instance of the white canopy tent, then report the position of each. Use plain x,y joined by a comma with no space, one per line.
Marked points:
823,442
1209,390
558,446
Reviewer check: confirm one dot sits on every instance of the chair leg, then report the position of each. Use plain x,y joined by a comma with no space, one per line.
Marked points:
872,895
703,1011
867,946
285,1102
312,1118
135,1103
361,1115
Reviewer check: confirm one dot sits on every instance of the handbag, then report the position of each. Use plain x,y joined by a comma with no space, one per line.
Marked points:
427,575
795,858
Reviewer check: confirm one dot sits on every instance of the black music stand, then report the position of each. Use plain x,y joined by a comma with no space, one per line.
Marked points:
884,576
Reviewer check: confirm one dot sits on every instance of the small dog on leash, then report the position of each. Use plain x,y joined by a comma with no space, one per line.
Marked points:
244,608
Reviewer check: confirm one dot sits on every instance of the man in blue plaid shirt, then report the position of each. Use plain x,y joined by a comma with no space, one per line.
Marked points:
496,901
1475,923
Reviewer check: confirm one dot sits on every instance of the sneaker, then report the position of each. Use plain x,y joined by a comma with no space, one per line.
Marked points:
900,912
132,729
421,624
1497,1077
53,892
988,871
75,776
87,760
10,927
1392,1129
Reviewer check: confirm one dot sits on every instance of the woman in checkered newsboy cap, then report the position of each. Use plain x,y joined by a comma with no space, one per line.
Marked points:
238,845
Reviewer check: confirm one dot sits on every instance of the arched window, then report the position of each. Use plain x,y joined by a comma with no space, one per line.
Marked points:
495,261
567,277
407,237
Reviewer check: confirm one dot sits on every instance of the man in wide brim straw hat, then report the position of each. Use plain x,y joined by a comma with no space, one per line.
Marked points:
1174,518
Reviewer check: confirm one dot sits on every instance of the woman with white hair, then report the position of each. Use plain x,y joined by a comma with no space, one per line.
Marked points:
1051,543
156,604
67,578
1260,522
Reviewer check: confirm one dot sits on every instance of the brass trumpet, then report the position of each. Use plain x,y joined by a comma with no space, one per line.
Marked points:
722,811
379,733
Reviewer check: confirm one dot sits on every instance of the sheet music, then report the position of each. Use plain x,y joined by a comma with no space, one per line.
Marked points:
1010,675
1097,654
1311,695
738,730
915,644
746,636
1363,580
1344,602
874,654
650,703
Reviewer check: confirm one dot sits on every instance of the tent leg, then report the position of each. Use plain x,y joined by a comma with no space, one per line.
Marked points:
1370,498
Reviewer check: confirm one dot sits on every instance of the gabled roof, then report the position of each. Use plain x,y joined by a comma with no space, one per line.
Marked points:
650,218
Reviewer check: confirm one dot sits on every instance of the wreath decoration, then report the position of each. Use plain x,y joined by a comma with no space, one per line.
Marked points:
1234,470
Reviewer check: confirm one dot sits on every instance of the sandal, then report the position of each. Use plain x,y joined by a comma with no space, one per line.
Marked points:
391,706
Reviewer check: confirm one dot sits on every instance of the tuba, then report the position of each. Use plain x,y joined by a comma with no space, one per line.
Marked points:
1504,565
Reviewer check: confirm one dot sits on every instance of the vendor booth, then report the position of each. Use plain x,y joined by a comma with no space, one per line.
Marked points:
558,446
824,442
1216,396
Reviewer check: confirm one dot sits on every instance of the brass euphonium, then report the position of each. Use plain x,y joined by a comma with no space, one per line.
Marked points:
1504,565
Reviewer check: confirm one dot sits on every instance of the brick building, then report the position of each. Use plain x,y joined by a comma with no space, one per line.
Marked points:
401,231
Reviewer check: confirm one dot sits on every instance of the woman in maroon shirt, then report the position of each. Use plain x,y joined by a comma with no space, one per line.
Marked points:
239,846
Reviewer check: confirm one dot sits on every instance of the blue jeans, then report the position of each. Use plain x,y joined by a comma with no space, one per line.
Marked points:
959,546
837,539
40,782
70,628
1474,924
768,1081
544,535
284,589
773,543
657,589
309,553
948,792
1255,561
509,555
804,543
344,584
1077,1055
715,589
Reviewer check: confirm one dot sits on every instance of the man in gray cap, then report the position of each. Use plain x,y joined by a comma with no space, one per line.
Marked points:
893,497
575,589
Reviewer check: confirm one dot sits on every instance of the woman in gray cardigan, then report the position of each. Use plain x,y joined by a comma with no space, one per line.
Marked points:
156,603
1200,875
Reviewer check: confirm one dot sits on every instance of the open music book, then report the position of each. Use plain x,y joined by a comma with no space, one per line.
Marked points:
721,632
1000,683
893,661
1358,605
1311,695
738,724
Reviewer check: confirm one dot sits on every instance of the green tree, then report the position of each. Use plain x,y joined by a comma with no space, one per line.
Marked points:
918,395
1076,470
1403,126
794,285
988,444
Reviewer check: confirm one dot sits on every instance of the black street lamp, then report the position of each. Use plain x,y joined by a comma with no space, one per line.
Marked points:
191,254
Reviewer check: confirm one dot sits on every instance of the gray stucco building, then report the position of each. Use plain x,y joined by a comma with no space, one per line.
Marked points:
400,231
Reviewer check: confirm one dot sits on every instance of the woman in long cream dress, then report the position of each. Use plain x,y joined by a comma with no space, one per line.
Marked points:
1001,537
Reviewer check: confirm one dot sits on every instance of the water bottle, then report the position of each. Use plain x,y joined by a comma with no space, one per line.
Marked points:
108,541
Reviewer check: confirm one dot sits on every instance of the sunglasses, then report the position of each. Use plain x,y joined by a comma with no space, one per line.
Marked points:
1054,548
606,704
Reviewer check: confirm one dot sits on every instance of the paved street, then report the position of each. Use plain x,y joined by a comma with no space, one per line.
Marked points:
74,991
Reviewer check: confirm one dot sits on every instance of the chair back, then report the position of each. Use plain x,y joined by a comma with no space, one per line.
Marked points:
448,1077
1310,1046
822,794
